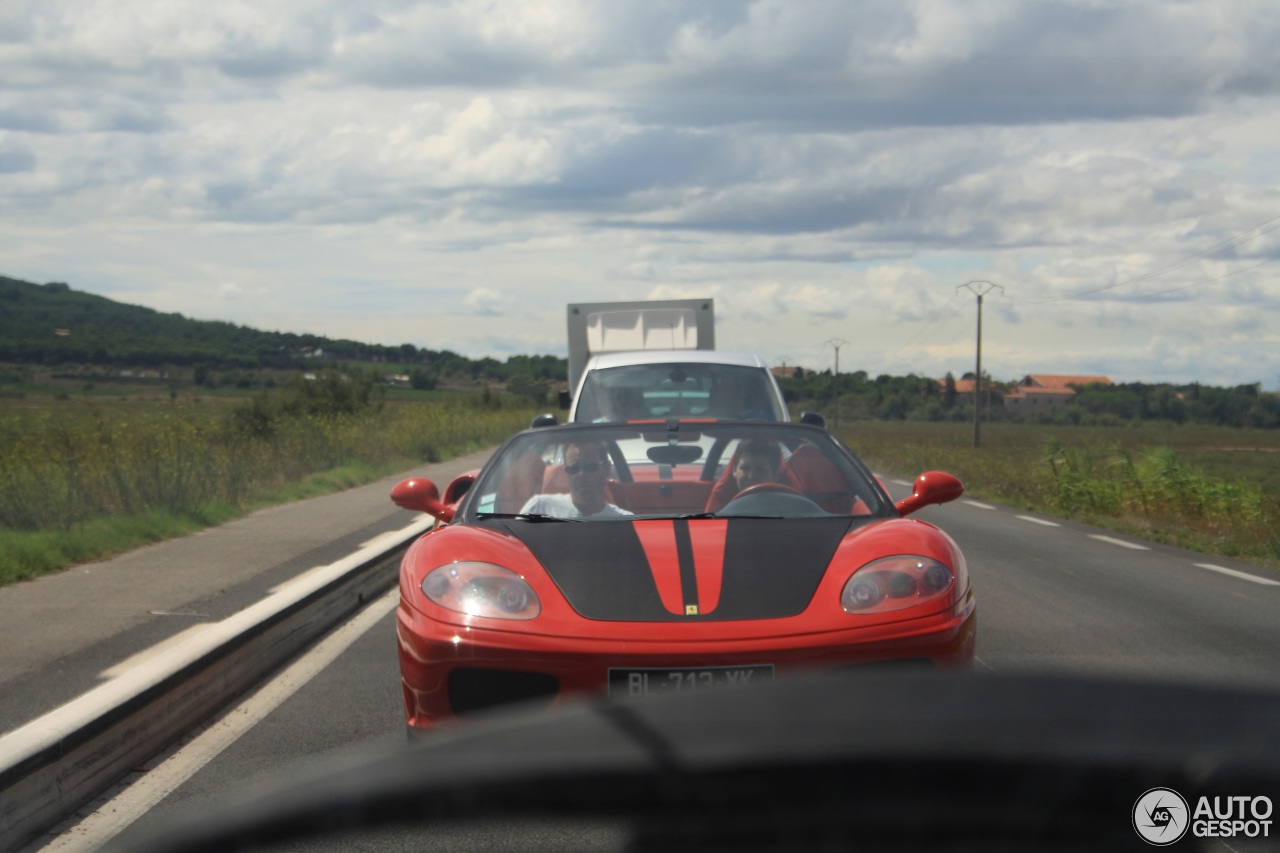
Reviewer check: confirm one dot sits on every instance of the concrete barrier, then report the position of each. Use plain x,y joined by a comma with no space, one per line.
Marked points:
54,764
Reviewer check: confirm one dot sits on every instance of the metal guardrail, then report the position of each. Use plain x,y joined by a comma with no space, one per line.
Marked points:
56,763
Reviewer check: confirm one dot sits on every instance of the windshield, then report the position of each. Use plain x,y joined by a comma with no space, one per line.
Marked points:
675,470
678,390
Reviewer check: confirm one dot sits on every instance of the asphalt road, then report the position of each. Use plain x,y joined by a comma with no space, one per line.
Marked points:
1052,595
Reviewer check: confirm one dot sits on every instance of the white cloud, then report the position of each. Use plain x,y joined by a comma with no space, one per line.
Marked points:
486,302
452,174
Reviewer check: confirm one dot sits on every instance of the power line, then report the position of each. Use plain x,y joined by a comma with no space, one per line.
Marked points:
978,289
1209,280
835,344
910,342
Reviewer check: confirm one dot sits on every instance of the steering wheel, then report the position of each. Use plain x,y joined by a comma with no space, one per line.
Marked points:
771,499
768,488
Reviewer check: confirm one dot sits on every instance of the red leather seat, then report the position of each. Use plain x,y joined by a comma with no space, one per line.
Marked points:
818,477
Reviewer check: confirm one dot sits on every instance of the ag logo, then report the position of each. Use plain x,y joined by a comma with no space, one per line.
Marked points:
1161,816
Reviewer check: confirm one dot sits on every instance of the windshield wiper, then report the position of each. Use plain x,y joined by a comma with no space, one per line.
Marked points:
523,516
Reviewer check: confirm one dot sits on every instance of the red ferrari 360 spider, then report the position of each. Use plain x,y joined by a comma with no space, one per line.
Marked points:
646,557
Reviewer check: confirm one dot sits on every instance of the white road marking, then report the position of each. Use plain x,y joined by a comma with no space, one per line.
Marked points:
303,578
1031,518
388,536
978,505
381,538
1242,575
114,813
146,654
902,482
1123,544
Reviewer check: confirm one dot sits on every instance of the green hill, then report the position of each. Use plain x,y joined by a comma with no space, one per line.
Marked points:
54,325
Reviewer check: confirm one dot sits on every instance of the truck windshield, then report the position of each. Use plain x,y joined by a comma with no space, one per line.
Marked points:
678,390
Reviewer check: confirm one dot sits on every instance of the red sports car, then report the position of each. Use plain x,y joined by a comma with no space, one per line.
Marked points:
653,556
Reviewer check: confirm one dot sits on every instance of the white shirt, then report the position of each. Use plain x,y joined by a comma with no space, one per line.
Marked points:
562,506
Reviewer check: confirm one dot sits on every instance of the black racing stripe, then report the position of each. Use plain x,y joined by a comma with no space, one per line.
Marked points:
688,576
771,566
600,566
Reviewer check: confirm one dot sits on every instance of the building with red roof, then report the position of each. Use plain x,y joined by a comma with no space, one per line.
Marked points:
1039,391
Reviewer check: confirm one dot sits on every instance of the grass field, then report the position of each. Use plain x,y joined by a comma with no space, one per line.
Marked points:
1213,489
86,475
81,479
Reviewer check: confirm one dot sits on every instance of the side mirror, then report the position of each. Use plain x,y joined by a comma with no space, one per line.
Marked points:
422,496
455,491
931,487
565,399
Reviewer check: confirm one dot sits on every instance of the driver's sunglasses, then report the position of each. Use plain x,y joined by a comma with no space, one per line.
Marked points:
584,467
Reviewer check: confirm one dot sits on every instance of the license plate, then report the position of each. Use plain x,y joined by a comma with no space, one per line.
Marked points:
646,682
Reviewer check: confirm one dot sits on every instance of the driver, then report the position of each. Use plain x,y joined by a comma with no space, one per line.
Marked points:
587,465
758,462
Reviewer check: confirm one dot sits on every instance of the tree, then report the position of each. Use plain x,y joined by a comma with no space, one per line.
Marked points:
421,379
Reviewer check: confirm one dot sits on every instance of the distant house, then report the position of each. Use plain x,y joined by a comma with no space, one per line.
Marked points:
964,389
1037,392
62,333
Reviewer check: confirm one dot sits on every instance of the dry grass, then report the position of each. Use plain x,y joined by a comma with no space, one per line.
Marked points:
82,480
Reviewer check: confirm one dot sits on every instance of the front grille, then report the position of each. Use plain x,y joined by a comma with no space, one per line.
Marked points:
472,690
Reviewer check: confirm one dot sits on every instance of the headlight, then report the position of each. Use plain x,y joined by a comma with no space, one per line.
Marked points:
482,589
895,583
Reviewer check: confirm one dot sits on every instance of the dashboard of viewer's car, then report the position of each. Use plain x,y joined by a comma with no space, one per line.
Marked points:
871,760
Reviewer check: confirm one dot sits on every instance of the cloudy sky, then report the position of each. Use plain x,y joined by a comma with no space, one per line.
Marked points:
833,174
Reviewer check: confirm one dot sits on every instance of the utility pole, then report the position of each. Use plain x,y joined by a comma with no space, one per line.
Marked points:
835,344
979,289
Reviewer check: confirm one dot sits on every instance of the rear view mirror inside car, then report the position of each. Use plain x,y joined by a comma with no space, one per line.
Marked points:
679,454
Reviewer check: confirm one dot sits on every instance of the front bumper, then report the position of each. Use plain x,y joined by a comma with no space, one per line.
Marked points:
454,672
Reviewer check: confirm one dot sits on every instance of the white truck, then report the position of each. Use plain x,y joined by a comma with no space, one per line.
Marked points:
596,328
657,359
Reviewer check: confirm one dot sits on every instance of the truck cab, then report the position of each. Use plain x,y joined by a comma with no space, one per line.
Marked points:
666,384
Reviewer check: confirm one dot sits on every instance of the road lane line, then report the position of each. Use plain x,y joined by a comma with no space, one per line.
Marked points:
388,536
1123,544
135,797
377,541
146,654
979,505
1242,575
1031,518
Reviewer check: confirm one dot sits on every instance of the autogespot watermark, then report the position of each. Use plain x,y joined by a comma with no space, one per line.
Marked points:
1162,816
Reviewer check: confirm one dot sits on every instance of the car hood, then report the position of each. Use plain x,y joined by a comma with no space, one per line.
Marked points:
654,570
